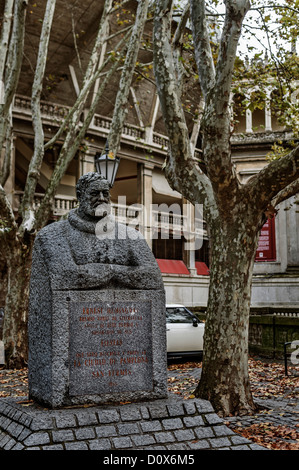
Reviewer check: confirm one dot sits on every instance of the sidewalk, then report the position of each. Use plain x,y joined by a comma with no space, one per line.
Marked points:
276,424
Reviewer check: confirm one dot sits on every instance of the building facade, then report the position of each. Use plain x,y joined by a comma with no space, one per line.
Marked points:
141,196
174,229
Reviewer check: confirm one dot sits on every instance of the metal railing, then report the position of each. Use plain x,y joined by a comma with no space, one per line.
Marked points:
286,355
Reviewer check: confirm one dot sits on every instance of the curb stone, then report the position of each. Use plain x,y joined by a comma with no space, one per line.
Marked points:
167,424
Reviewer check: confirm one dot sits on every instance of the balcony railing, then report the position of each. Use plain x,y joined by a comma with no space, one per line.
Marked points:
168,222
130,215
55,114
62,204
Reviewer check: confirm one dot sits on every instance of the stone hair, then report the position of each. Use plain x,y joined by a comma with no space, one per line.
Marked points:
85,181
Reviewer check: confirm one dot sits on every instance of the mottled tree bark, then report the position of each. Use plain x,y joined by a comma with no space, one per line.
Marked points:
121,102
16,304
12,58
38,154
225,380
234,214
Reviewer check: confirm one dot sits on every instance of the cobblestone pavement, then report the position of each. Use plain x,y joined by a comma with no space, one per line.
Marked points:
275,425
172,424
286,410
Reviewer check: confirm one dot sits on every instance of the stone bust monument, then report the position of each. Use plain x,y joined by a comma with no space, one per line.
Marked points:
91,250
96,329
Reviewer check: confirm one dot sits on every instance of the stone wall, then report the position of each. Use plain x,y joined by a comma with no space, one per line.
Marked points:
269,330
269,333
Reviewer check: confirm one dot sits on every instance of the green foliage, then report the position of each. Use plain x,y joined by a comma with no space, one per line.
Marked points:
4,225
279,150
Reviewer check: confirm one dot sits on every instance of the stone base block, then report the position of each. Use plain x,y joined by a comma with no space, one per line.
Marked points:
96,347
171,424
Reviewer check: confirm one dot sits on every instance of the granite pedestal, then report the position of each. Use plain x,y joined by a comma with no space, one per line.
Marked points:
99,347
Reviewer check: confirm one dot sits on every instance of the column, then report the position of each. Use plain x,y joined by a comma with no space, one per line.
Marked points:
145,173
86,161
189,232
248,121
248,116
268,119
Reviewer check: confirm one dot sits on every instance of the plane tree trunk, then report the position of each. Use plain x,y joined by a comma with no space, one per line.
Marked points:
225,380
18,261
234,213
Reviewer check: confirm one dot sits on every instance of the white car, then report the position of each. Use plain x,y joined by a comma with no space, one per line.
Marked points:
184,331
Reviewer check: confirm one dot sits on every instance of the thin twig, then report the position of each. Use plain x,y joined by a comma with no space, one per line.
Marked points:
75,43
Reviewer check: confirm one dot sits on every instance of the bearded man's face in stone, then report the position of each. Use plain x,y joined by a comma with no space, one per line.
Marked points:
95,202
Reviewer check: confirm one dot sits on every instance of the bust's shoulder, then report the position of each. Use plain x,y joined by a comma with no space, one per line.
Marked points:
53,229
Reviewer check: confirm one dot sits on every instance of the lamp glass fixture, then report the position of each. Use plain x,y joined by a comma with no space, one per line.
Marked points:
107,165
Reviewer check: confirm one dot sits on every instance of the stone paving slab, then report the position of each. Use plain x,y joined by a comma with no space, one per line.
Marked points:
170,424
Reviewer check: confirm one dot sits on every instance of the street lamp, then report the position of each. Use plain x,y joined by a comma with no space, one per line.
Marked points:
107,165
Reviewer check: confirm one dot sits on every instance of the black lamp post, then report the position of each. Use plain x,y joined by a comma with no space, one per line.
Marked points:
107,165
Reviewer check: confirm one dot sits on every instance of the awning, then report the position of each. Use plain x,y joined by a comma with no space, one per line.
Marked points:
161,186
202,268
171,266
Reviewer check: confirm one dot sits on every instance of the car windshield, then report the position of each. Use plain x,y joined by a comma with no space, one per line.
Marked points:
178,315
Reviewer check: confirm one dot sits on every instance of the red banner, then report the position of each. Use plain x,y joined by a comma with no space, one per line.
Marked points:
266,250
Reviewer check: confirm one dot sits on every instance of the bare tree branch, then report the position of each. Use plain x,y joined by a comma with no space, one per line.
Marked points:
177,46
202,47
118,6
178,35
235,14
117,33
291,190
37,158
5,33
100,39
14,61
75,42
276,7
216,86
120,108
90,76
181,170
5,170
274,178
70,147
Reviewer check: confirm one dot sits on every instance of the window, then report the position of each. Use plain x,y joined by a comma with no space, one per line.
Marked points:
203,253
168,249
178,315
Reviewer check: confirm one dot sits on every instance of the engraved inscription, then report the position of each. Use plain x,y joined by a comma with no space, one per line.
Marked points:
110,347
